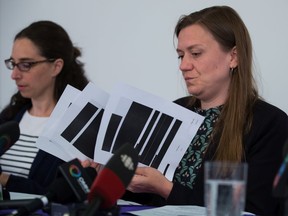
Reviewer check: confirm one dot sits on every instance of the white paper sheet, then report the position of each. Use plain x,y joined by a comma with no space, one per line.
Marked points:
44,141
180,210
161,142
78,119
91,124
67,109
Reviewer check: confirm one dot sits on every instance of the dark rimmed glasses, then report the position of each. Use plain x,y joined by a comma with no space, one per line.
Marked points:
24,66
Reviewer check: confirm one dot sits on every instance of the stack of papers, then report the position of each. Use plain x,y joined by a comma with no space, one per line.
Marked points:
92,124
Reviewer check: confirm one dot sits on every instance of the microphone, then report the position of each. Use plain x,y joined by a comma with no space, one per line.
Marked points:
9,134
72,184
280,184
110,185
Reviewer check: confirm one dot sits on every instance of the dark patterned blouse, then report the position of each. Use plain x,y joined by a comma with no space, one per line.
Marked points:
186,171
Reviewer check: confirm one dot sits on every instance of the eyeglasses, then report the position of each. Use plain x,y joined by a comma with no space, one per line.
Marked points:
24,66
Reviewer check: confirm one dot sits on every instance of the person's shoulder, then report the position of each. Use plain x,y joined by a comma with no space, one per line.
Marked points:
266,114
183,101
265,108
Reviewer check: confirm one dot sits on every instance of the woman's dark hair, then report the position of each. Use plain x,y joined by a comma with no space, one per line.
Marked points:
53,42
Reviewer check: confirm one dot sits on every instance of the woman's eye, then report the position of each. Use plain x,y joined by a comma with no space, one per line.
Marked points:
25,64
195,54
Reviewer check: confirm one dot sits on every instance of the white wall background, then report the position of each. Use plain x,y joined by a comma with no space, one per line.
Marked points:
132,40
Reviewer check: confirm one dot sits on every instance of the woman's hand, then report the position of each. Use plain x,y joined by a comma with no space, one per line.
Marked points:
91,163
150,180
4,177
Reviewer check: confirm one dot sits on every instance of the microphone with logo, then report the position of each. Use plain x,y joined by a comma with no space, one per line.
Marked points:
110,185
9,134
72,185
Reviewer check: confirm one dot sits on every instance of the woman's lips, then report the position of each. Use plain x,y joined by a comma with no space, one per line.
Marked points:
189,78
21,87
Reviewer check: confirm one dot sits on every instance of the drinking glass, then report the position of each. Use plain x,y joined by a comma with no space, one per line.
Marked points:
225,188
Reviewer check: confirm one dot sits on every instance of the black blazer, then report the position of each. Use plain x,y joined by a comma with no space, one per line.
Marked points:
263,153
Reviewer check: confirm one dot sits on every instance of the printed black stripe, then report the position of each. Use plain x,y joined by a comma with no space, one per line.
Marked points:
140,145
137,116
79,122
155,139
87,140
110,132
157,160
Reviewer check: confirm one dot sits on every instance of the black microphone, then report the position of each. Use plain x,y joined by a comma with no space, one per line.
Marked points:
280,184
72,185
9,134
110,185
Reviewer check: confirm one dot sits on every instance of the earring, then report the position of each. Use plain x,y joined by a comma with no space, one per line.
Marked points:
232,70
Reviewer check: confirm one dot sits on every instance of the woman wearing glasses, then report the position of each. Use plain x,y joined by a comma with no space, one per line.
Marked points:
43,61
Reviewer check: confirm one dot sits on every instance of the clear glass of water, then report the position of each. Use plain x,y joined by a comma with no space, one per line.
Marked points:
225,188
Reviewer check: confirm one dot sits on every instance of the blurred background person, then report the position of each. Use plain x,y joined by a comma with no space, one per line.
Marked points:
43,61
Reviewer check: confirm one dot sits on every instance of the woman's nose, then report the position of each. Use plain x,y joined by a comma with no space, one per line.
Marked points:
185,64
16,73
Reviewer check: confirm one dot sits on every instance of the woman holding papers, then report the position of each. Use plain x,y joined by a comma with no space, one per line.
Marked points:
43,62
215,52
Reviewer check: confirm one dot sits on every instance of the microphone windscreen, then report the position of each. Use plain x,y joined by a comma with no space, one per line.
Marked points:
9,134
61,191
68,187
124,163
109,188
78,181
111,183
